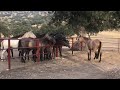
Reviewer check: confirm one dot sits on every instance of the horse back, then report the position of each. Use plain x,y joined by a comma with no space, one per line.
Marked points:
97,43
27,42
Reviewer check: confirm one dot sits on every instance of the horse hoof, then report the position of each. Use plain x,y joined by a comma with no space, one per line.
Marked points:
100,61
88,59
23,61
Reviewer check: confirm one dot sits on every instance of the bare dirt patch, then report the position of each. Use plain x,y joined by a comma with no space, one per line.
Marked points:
69,67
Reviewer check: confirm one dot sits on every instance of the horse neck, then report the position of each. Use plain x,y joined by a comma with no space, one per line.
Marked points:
86,39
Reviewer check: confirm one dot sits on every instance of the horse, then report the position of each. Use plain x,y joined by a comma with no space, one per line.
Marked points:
60,41
29,34
94,45
44,40
7,49
25,45
13,44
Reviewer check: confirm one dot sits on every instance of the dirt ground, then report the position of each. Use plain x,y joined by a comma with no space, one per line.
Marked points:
69,67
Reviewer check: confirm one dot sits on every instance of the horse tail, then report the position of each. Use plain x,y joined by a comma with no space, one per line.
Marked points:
99,50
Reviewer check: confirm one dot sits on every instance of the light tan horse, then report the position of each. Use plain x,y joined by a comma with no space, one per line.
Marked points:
94,45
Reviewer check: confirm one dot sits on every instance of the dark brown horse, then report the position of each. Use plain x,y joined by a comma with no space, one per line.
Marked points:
94,45
30,44
60,41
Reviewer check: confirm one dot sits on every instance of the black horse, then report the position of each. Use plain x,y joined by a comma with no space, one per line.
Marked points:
60,41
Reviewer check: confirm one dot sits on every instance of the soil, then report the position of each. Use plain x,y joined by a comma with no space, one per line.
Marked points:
69,67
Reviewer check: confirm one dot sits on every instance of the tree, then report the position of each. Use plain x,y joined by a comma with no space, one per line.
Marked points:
4,29
92,21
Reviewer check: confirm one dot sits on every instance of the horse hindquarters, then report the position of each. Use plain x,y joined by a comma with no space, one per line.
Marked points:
2,55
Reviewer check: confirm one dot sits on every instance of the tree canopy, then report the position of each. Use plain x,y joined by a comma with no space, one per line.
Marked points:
93,21
68,22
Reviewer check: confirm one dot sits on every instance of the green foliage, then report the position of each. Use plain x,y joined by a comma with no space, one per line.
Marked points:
93,21
4,29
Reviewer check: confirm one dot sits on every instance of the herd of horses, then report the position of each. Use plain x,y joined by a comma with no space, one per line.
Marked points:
47,46
47,43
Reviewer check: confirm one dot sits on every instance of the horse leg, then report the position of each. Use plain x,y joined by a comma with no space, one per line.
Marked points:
53,52
95,55
45,54
50,54
100,56
41,54
12,52
2,55
88,55
34,55
22,56
28,54
60,50
19,53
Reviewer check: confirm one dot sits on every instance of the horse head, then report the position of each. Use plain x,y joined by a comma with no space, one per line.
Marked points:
66,43
50,38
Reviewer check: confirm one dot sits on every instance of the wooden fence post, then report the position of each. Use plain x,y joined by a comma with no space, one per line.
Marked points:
9,54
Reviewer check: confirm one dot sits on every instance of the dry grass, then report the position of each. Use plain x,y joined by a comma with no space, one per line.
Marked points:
109,34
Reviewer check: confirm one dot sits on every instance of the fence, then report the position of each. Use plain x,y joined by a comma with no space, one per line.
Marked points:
37,53
108,44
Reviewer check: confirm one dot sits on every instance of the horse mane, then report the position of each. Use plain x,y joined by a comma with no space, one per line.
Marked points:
86,38
17,36
40,35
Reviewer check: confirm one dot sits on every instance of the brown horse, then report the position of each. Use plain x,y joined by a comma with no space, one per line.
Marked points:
94,45
46,43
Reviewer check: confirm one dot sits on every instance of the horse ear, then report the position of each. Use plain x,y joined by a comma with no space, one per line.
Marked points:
47,35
